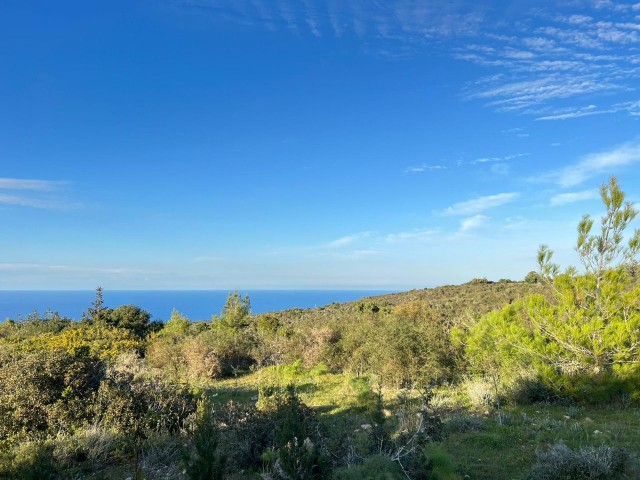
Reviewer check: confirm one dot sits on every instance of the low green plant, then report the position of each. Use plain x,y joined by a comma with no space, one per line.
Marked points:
376,467
464,423
205,461
587,463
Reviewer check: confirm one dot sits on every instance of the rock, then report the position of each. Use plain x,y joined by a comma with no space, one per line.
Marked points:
365,426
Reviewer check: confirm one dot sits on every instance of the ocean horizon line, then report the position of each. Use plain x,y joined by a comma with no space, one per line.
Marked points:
195,304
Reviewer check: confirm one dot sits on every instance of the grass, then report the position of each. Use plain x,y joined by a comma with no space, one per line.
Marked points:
478,443
508,450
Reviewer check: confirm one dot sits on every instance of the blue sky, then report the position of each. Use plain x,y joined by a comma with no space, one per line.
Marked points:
307,144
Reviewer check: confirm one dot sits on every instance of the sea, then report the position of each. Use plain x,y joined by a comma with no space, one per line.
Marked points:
194,304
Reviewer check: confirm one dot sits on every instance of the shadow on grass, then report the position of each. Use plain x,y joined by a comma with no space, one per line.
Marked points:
221,396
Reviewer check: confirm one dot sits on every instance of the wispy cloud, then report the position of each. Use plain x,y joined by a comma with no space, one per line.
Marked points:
348,239
40,193
517,131
572,197
23,201
388,29
473,222
480,204
500,159
596,164
550,60
547,59
46,268
29,184
575,113
424,168
412,235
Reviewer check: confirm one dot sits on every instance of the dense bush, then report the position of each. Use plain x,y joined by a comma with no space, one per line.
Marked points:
138,406
45,390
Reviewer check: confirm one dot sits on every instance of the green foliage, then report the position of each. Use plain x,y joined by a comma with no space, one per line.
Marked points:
584,343
298,456
230,346
97,312
31,461
177,325
412,347
440,463
206,463
532,277
236,312
129,317
33,325
45,390
376,467
138,406
599,252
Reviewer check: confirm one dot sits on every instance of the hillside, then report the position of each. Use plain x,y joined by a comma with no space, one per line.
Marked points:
451,303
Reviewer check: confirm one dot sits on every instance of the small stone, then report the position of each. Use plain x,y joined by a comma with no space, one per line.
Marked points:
597,432
567,417
365,426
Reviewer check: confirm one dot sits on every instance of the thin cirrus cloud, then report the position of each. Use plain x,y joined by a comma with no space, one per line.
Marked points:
424,168
473,222
557,57
597,163
412,235
29,184
39,193
573,197
480,204
538,64
348,239
405,20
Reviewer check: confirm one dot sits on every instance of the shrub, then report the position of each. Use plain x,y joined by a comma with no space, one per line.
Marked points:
131,318
527,389
532,277
45,391
135,406
481,392
205,463
31,461
464,423
588,463
201,359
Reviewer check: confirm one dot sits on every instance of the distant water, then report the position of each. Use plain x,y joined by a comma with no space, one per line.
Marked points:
195,304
